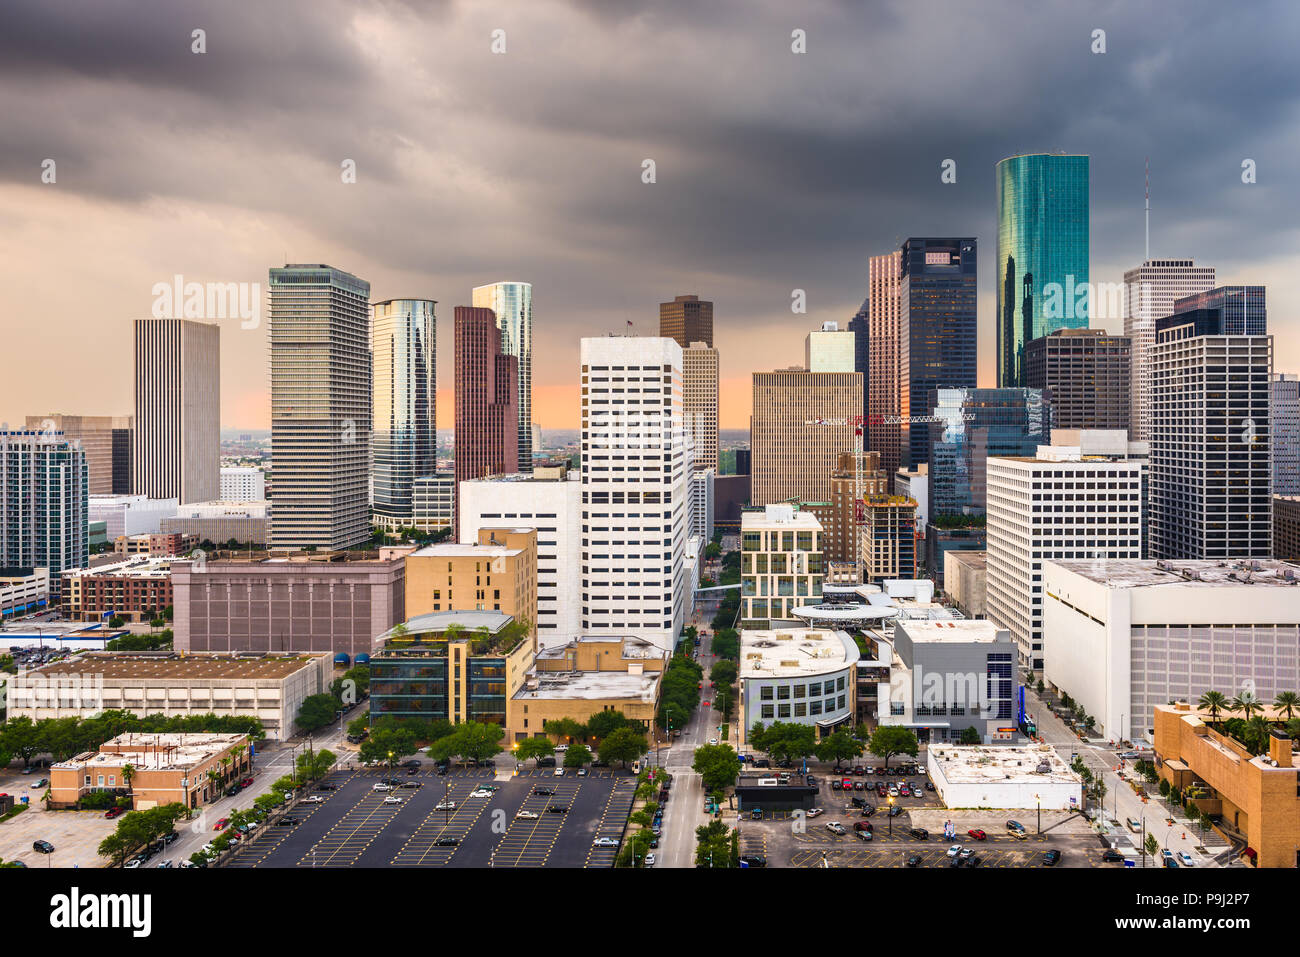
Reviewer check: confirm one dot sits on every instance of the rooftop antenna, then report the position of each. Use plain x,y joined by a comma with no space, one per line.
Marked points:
1148,208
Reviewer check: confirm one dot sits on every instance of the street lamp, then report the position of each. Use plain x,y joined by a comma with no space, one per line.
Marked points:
1039,801
891,815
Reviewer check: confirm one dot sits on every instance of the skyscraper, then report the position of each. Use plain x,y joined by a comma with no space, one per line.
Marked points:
882,433
43,503
801,423
403,336
487,398
687,319
1211,468
634,489
1284,433
860,326
106,440
318,328
1150,291
700,399
512,303
1042,268
830,349
177,450
936,333
1085,374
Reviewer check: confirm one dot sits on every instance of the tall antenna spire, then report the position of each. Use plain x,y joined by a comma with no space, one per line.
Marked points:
1148,211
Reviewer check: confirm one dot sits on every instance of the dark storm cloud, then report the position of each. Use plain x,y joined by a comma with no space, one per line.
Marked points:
774,170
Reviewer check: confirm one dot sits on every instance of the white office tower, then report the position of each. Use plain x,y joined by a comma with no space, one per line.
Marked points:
176,449
1284,432
549,500
319,330
700,399
240,483
1211,463
702,504
635,499
513,304
830,349
1079,498
1149,294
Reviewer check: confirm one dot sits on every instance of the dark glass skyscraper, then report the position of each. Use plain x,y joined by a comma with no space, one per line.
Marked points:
860,326
936,333
1042,269
972,424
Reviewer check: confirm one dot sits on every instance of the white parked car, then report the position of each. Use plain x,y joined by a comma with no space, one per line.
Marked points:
650,860
602,841
713,740
835,827
559,772
381,786
815,811
480,793
954,850
309,799
561,748
445,806
528,815
1186,860
392,799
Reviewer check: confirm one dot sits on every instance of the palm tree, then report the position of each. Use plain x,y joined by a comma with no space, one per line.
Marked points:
1247,703
225,769
1214,702
1287,701
1257,734
128,775
213,778
238,751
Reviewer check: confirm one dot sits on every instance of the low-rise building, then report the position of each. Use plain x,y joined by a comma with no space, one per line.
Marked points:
23,591
129,514
951,675
1003,776
242,483
452,666
222,522
585,677
302,602
798,676
136,589
1124,636
270,688
188,769
1255,798
964,580
156,544
496,572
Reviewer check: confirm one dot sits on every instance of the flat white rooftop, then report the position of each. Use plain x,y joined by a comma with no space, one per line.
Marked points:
790,652
1142,573
950,630
1010,764
591,686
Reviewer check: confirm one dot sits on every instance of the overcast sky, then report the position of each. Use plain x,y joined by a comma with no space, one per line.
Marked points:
775,170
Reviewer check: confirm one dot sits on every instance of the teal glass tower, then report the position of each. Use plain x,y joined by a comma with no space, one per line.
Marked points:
1042,268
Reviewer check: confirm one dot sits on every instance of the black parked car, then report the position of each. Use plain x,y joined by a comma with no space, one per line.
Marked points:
1112,856
1051,857
914,860
754,860
556,808
44,847
287,821
446,842
920,833
544,792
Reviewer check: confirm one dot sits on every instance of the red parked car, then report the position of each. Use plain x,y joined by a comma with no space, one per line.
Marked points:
977,834
222,823
246,783
113,812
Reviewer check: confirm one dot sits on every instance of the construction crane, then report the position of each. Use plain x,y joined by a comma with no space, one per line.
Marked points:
859,510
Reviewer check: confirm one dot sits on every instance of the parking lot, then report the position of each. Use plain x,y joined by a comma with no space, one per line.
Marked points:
353,826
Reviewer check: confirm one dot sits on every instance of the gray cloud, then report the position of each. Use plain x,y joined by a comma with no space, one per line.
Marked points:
774,170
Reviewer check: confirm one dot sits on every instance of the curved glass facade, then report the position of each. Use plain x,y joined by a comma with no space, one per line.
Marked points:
405,437
513,304
1042,269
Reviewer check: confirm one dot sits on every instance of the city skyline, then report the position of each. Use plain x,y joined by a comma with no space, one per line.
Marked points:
767,185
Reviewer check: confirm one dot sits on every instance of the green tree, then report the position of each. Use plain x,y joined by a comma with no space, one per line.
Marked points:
1258,731
889,740
726,644
1247,704
534,748
1287,702
713,847
317,711
970,736
564,728
604,723
1214,702
717,765
837,747
1152,846
577,756
623,745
